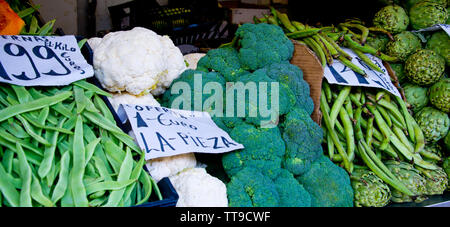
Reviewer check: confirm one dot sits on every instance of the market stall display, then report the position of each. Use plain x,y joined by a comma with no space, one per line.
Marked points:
353,118
342,146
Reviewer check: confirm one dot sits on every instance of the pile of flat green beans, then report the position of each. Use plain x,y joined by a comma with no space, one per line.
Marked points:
61,147
367,126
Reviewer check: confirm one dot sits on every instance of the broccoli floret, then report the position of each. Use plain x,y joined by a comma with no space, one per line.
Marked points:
223,60
188,77
250,188
292,193
328,184
292,76
264,150
262,44
303,141
286,98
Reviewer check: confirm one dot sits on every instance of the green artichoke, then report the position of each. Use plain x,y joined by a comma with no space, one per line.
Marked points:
392,18
436,181
399,70
378,42
416,96
389,2
434,123
411,178
447,143
403,45
446,167
369,189
448,19
408,4
424,67
440,43
432,153
440,95
426,14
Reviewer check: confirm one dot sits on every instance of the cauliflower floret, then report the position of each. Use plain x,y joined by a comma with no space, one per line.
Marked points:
125,98
137,61
93,42
175,66
160,168
196,188
192,60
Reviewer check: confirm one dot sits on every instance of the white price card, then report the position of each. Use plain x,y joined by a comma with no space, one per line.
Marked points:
163,132
42,61
436,27
340,74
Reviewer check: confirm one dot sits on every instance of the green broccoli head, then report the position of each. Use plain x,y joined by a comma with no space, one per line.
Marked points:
292,193
223,60
250,188
253,102
292,76
328,184
303,141
264,150
183,91
261,45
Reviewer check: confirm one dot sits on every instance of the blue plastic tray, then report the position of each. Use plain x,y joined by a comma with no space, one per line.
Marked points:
168,192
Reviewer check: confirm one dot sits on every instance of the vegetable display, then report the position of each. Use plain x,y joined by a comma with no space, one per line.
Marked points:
283,157
61,147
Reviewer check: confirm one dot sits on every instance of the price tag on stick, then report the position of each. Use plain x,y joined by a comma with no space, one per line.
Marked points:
164,132
42,61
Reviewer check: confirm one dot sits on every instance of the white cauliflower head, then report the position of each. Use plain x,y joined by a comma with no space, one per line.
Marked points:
125,98
192,60
137,61
160,168
196,188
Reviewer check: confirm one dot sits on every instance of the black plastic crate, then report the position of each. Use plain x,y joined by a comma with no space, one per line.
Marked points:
168,192
185,23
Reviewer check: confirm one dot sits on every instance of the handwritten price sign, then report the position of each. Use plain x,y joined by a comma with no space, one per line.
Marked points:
42,61
163,132
340,74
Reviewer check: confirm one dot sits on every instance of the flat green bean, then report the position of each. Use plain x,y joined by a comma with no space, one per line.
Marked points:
49,152
37,193
37,104
78,169
349,134
32,157
148,183
135,175
125,172
25,175
90,149
101,105
80,99
108,186
337,105
11,195
63,181
7,160
336,141
91,87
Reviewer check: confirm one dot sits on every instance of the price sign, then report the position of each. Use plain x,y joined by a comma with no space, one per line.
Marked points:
437,27
42,61
340,74
164,132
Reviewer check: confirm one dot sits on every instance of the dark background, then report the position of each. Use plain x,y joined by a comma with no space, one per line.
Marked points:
332,12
